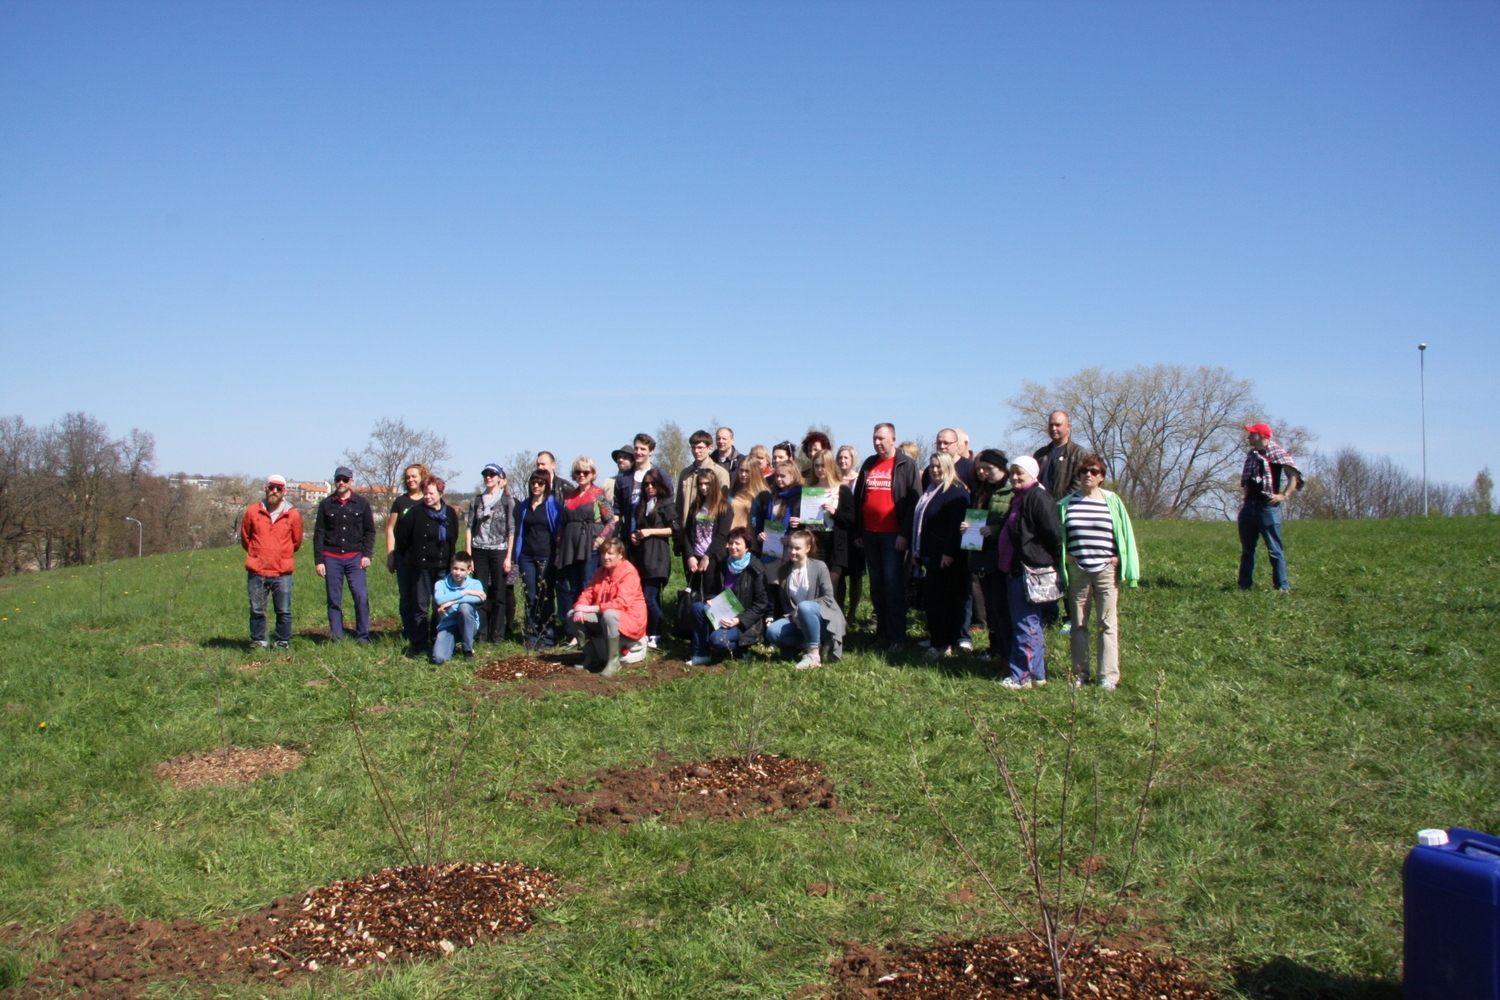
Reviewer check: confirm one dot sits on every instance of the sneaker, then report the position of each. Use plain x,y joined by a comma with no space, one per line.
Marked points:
1040,682
965,645
809,661
1011,684
701,661
468,654
283,644
651,641
1108,685
1079,682
257,644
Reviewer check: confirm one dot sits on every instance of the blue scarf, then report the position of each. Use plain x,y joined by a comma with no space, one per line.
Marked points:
737,566
441,517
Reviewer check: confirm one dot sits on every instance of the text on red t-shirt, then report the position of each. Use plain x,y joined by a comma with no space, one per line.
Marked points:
879,508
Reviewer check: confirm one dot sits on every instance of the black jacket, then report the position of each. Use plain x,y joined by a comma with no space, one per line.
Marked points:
1035,534
1064,472
417,536
343,527
833,544
722,526
750,588
940,535
653,556
906,486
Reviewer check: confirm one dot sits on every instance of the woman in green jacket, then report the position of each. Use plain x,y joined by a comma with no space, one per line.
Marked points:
992,495
1101,554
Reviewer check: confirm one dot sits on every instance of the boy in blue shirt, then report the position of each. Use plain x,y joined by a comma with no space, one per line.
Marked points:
457,599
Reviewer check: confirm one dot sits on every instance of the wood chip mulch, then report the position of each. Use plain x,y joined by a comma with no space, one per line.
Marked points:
240,765
410,912
727,788
1014,967
535,676
393,915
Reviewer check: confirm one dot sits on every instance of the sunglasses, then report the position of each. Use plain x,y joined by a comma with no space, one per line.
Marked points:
275,489
1092,472
342,479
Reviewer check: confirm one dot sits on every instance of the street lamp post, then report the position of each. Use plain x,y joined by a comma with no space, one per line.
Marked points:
140,534
1422,364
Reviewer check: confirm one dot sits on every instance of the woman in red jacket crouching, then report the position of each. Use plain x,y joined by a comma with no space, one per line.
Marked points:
611,606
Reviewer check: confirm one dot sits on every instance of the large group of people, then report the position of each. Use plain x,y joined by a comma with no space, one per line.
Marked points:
774,544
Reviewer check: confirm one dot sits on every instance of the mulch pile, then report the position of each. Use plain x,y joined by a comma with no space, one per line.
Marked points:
393,915
727,788
1014,967
534,676
239,765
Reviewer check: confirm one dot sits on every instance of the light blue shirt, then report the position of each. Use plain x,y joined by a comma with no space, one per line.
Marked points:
447,590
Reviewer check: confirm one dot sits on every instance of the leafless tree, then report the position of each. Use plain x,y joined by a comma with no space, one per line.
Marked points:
518,468
1484,492
1172,437
672,452
1349,484
392,447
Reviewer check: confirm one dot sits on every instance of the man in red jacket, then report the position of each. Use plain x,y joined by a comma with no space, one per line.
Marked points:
271,533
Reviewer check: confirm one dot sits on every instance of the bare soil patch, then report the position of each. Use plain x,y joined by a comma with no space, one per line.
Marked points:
727,788
534,676
396,914
378,626
239,765
1011,966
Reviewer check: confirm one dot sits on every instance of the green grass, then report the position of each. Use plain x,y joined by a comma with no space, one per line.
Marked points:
1315,733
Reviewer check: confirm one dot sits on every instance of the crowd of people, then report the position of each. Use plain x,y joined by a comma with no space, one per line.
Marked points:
774,544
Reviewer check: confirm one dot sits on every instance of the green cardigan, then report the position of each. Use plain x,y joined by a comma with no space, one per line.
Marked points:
1130,564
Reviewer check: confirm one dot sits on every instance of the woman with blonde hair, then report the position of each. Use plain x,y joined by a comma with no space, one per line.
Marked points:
749,483
935,539
810,617
412,477
762,456
838,515
852,583
585,521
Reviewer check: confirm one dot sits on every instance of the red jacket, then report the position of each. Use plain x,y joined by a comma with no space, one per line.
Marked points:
619,590
269,546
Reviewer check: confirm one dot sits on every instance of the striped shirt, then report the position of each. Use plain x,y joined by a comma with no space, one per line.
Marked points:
1091,534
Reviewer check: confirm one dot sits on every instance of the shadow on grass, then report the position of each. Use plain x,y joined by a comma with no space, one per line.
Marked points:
225,642
1285,979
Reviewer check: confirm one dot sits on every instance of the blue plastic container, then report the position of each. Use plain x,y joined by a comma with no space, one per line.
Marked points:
1452,909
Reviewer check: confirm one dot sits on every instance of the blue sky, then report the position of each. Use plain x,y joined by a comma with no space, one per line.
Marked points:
255,228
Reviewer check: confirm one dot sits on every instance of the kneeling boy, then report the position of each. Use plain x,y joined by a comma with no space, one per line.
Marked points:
457,597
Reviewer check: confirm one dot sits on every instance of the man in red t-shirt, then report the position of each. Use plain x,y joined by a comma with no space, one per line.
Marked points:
884,496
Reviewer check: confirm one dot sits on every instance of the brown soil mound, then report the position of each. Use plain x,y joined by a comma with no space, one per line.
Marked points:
1014,966
215,767
533,677
726,788
378,626
392,915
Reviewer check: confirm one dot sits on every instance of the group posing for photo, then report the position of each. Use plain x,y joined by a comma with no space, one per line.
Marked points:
774,551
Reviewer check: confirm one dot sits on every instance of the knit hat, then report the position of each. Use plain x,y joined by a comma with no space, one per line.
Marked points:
1027,464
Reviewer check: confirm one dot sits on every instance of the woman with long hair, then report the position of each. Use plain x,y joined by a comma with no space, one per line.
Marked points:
762,456
851,585
586,521
992,496
651,551
777,506
537,518
412,477
749,483
706,524
935,537
810,617
834,539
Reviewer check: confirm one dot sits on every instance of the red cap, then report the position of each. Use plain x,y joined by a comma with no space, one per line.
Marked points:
1264,430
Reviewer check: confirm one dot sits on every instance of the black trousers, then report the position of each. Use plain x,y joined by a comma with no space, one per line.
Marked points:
943,594
498,610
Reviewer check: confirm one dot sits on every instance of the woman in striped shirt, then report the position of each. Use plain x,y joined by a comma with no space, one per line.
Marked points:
1100,547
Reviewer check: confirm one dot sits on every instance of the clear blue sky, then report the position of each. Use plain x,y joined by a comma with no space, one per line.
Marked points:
255,228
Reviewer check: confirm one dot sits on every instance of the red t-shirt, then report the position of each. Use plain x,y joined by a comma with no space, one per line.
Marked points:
880,509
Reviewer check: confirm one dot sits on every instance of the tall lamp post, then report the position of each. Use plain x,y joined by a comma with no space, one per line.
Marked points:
140,534
1422,364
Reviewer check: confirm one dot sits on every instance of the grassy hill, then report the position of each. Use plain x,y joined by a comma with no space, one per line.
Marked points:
1311,735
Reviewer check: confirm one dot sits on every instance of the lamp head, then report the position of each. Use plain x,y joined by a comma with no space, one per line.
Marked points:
1421,347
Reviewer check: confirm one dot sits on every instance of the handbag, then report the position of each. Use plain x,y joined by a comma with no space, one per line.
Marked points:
682,617
1041,584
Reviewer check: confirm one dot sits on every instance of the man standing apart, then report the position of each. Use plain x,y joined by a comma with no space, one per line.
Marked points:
725,453
271,533
884,496
1060,458
1269,478
343,542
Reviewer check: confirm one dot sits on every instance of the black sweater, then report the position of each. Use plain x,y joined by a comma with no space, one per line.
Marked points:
417,536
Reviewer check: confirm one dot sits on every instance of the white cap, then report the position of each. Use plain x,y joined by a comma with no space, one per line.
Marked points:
1432,838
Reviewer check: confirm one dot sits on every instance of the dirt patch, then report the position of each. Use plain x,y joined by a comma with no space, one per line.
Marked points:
318,683
378,626
533,676
392,915
727,788
15,706
239,765
1014,966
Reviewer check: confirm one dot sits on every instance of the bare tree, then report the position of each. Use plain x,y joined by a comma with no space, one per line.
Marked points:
1173,437
392,447
1484,492
672,453
1350,484
518,468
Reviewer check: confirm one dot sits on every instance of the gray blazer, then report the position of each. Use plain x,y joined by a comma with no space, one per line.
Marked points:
820,589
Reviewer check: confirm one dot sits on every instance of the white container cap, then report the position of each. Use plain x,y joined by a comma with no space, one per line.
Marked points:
1432,838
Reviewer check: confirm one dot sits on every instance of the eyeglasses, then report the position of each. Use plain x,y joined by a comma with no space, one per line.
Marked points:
1092,472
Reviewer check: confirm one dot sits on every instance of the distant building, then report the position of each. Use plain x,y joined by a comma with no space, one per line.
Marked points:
197,482
313,492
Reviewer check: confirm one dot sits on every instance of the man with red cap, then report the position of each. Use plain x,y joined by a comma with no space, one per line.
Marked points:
1269,478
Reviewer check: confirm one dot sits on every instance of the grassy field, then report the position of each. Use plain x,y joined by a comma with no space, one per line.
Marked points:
1313,734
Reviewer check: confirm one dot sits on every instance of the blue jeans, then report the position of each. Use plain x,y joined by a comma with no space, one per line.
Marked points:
280,589
651,590
541,580
407,598
706,638
458,625
887,583
805,630
337,570
571,580
1028,649
1259,521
